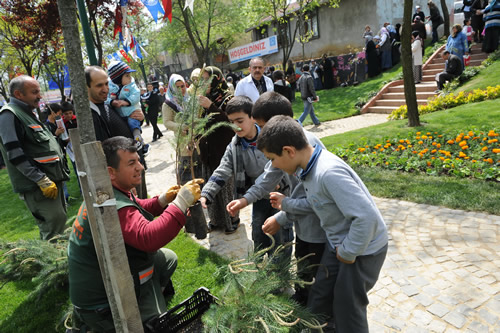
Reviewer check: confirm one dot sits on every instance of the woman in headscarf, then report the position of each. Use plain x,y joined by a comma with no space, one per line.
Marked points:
213,146
372,57
385,47
457,42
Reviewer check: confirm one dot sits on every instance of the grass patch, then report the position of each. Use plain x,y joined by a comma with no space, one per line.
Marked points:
463,194
487,77
340,102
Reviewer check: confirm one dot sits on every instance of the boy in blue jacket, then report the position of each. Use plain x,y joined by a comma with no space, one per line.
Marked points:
125,97
356,232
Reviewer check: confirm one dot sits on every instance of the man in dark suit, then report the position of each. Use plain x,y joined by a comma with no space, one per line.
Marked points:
453,68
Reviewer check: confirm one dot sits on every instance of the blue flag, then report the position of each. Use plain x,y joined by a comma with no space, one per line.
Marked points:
154,7
116,56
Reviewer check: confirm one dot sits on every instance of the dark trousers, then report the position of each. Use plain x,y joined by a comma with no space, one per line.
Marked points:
434,34
340,291
153,118
307,268
442,78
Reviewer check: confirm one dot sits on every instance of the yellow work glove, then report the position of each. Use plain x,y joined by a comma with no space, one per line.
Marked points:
48,187
168,196
188,194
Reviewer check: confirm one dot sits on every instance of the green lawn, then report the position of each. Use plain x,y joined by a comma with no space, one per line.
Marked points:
488,77
466,194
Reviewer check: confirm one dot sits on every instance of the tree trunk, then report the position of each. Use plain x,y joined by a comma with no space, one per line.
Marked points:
69,23
406,57
446,16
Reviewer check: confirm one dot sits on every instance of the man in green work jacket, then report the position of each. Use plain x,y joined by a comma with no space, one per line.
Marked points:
35,162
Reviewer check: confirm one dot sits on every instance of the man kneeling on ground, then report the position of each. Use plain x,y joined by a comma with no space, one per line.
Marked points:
151,265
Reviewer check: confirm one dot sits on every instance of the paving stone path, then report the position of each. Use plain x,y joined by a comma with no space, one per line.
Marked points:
442,272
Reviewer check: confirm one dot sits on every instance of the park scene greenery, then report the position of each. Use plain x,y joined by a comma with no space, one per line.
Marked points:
451,160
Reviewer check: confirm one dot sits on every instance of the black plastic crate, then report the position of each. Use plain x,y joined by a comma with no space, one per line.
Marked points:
184,313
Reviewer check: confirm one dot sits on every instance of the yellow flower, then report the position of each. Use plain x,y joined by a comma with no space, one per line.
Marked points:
466,137
382,149
418,133
461,154
420,142
471,133
441,158
450,142
401,141
424,137
484,148
462,143
433,151
492,140
496,151
465,147
438,145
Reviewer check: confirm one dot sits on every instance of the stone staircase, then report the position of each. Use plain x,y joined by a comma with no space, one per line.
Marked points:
392,95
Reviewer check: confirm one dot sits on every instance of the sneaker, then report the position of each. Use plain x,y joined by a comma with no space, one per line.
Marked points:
146,149
138,142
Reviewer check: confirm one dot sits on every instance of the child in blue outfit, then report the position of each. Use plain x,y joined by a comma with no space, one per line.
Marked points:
122,88
356,232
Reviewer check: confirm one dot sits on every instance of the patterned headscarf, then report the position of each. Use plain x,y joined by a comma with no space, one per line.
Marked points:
172,91
218,87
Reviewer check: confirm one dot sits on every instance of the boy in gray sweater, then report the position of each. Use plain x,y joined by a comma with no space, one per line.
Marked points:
245,162
295,210
355,230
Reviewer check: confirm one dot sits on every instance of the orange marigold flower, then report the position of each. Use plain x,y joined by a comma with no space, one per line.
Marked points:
418,138
415,152
466,157
450,142
434,143
484,139
438,145
409,146
484,148
401,141
465,147
473,161
386,163
492,133
496,150
441,158
418,133
382,149
433,158
466,137
429,163
462,143
430,136
461,154
471,133
424,137
440,136
489,160
361,149
387,141
433,151
492,140
420,142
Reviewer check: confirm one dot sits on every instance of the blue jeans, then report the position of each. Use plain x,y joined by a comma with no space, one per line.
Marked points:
308,108
435,37
133,124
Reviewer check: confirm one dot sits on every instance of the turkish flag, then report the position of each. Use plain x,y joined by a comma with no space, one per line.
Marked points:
118,21
167,7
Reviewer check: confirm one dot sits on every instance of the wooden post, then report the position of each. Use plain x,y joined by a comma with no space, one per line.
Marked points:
107,235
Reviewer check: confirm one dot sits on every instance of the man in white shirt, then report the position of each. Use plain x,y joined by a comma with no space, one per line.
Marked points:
256,83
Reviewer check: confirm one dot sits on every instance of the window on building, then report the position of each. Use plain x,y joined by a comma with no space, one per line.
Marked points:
311,26
262,32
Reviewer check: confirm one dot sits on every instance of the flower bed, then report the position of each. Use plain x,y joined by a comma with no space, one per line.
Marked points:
473,154
443,102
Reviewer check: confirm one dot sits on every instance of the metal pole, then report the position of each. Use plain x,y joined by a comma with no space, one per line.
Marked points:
86,32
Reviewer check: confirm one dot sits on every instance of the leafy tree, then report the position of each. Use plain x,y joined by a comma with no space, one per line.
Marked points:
212,20
27,26
53,60
281,13
406,58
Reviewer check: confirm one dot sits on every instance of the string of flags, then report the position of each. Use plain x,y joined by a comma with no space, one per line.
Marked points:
131,49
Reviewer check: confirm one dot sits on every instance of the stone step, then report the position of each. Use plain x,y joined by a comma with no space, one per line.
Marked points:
440,65
433,71
422,87
397,102
401,95
474,57
427,78
381,109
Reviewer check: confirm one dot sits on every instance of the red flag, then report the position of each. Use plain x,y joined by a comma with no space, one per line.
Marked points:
125,55
118,21
167,7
